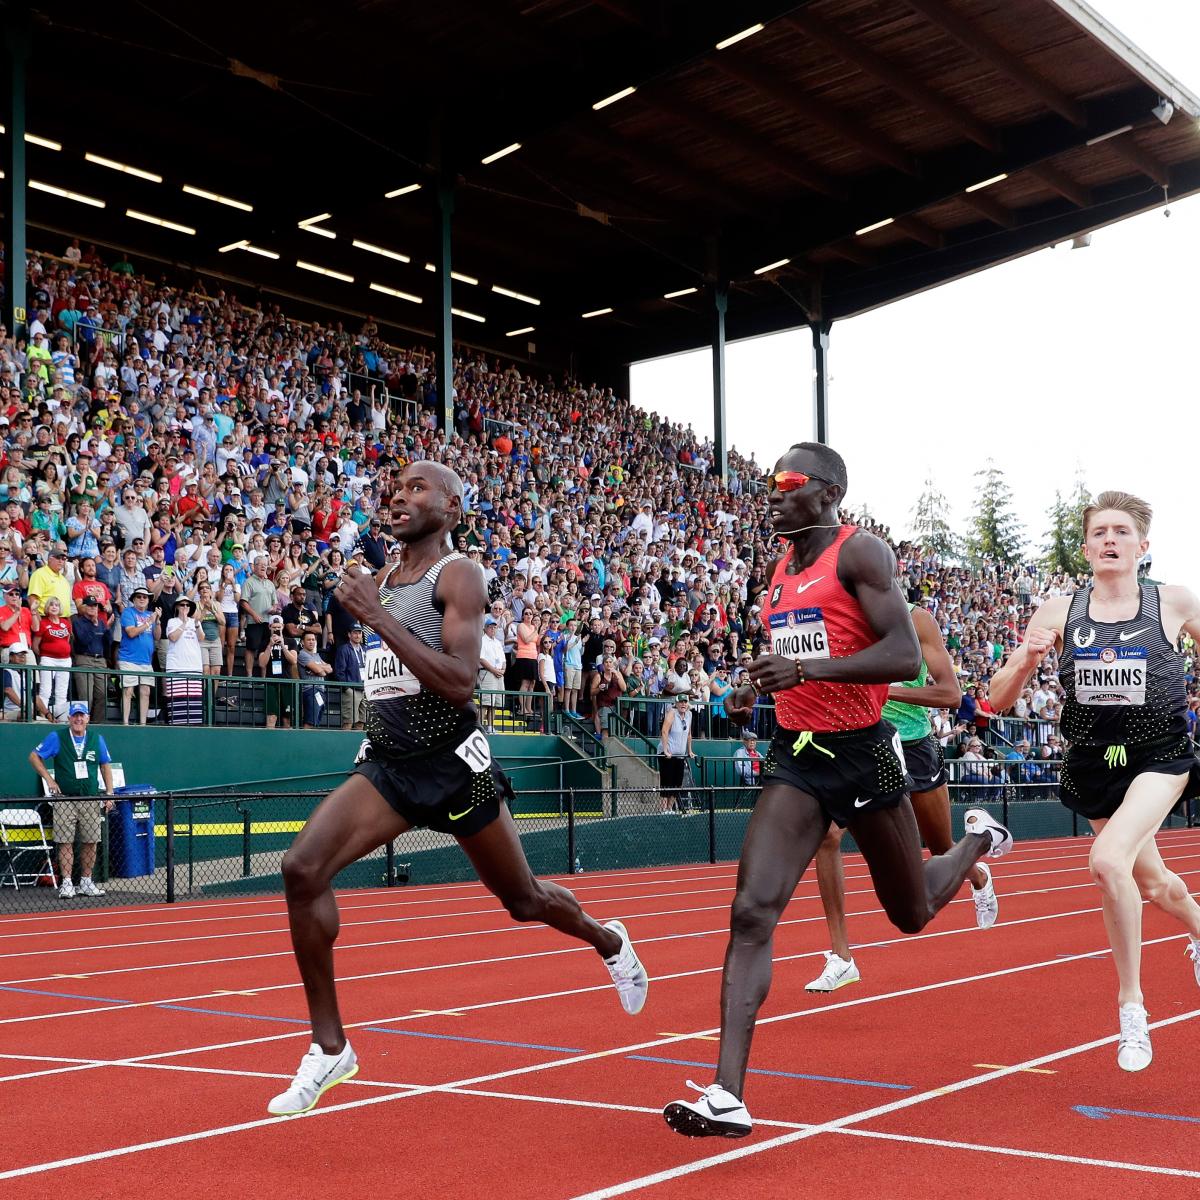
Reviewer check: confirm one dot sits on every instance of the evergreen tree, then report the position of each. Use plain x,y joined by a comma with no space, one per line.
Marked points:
1064,538
996,532
930,529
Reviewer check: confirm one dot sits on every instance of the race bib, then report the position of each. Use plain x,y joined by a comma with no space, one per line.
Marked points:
476,752
799,633
384,676
1114,675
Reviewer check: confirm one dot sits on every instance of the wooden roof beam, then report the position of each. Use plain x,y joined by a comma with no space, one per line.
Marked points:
920,231
997,213
899,80
1145,162
762,150
1063,184
990,51
779,89
853,251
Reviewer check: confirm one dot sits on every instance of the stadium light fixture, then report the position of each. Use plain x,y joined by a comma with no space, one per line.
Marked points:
233,246
307,266
259,251
470,316
391,291
380,250
983,183
402,191
596,312
34,140
454,275
503,291
124,168
1112,133
216,198
613,98
682,292
523,329
78,197
165,224
491,158
309,225
740,37
773,266
877,225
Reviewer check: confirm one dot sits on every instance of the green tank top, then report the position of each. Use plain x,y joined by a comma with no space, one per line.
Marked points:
911,720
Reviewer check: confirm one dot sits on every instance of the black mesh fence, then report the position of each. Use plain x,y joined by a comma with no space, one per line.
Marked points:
174,846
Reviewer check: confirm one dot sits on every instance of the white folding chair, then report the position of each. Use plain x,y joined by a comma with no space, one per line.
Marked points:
22,822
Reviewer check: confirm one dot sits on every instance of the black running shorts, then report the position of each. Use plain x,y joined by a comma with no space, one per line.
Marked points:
926,764
1094,789
848,774
446,791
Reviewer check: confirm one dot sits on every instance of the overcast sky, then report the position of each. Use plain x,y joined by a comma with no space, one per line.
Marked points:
1064,361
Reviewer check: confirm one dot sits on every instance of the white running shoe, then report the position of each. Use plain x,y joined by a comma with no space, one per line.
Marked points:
837,973
627,972
67,891
88,888
1134,1051
987,907
317,1074
718,1113
979,820
1193,952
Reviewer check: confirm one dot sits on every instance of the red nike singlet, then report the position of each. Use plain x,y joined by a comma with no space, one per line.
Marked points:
810,615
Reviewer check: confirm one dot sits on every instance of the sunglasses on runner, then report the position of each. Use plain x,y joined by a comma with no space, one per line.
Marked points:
790,481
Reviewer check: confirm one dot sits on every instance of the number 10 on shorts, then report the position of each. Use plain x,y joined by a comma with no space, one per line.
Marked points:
476,752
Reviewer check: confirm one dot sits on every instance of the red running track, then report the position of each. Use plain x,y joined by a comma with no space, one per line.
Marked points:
138,1048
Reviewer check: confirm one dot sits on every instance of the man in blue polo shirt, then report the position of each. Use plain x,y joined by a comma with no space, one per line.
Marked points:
80,759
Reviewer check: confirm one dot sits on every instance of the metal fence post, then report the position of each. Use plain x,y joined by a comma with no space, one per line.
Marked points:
102,857
712,825
191,837
245,842
170,848
1004,818
390,858
1074,824
571,831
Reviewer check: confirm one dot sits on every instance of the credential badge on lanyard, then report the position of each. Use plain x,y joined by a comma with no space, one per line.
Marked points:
799,633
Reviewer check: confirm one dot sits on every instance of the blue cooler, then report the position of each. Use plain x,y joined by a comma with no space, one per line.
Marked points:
131,830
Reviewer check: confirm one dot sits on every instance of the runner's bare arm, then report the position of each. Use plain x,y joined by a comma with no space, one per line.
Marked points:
1042,635
942,690
450,672
1181,608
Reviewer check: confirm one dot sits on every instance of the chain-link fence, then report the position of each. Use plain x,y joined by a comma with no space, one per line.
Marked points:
173,846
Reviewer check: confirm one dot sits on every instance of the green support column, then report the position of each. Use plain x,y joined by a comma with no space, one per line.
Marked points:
12,117
820,341
720,434
445,318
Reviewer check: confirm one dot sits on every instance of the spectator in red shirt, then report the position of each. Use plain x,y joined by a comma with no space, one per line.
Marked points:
16,621
52,643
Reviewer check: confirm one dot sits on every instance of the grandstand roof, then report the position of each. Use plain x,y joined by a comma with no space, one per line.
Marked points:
863,150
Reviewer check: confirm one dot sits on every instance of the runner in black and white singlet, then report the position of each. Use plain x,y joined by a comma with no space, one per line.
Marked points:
1128,760
424,762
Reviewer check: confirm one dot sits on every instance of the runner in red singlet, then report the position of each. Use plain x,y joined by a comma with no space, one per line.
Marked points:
840,633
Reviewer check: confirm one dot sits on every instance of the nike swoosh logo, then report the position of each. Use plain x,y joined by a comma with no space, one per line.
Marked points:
803,587
457,816
1124,637
862,803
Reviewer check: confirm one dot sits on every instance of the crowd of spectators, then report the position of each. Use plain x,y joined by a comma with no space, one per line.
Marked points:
184,479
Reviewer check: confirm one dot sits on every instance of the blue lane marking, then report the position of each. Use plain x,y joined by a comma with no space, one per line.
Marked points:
451,1037
685,1062
1102,1114
220,1012
62,995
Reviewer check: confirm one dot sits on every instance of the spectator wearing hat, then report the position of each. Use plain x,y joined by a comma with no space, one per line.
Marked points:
492,663
349,662
277,662
747,761
134,660
675,749
184,684
16,678
16,621
89,630
82,772
50,580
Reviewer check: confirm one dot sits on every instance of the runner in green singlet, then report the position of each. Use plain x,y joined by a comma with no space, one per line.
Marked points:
907,708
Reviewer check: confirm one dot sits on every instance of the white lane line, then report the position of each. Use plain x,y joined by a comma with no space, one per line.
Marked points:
472,892
868,1114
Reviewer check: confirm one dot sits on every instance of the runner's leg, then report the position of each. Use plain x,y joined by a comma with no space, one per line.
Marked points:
932,810
1163,888
499,860
781,840
911,888
351,821
831,882
1119,842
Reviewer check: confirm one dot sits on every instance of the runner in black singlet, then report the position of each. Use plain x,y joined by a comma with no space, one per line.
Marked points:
1129,760
424,762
